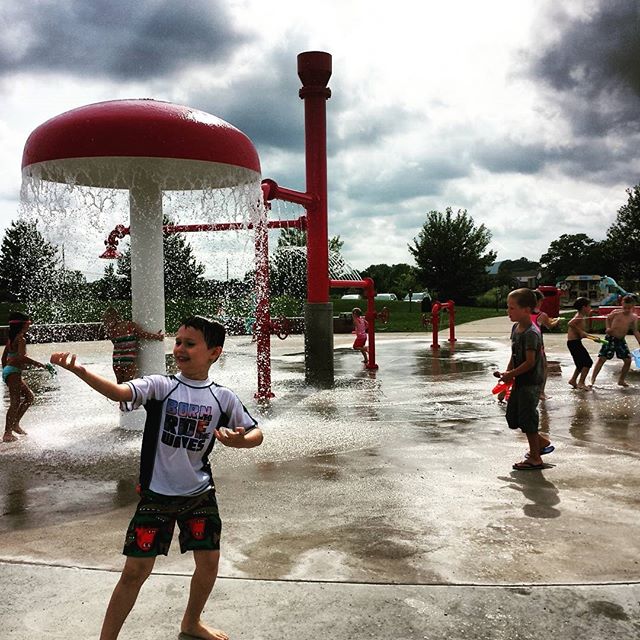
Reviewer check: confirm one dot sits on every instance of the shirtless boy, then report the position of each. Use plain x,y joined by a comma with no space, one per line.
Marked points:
575,333
618,324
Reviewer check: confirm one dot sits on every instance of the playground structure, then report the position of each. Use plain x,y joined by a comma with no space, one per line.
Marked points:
146,146
432,321
600,290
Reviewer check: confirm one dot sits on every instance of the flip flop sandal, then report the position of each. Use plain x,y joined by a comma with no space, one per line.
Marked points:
527,466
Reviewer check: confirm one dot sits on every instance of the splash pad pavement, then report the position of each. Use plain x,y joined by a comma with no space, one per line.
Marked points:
384,507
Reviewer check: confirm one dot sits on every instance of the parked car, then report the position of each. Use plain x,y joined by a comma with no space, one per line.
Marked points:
417,296
351,296
386,296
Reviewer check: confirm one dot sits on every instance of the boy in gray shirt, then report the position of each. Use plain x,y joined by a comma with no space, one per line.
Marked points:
526,369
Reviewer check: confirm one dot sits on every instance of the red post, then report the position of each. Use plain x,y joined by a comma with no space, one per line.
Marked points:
451,305
435,322
314,70
263,317
370,317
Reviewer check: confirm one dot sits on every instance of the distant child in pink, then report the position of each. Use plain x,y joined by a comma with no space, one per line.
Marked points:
360,326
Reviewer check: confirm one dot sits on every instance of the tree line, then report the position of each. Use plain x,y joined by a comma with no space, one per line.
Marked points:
450,253
451,256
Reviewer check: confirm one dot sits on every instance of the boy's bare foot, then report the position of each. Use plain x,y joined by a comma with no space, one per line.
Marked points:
200,632
622,383
572,383
584,387
8,437
20,431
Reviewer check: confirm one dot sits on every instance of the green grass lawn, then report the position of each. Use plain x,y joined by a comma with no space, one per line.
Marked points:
408,317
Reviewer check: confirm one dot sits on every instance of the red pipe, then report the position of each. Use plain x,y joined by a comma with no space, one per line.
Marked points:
121,231
435,321
263,318
314,70
273,191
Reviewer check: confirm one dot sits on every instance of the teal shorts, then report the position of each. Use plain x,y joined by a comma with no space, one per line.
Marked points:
151,528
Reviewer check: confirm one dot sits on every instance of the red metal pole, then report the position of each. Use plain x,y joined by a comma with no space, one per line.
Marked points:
370,317
435,322
452,321
263,318
314,70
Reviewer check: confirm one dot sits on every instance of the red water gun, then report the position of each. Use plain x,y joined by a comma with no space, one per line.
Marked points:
502,387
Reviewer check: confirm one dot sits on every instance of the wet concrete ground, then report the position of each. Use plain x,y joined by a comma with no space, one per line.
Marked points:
394,491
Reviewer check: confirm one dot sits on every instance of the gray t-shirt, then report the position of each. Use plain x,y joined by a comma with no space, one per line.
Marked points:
529,339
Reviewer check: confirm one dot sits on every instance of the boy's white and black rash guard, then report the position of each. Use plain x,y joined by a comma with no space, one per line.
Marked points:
179,431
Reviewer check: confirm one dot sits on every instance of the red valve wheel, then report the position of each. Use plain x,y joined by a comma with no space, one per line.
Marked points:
282,327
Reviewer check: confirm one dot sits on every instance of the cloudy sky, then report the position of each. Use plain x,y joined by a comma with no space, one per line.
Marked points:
523,112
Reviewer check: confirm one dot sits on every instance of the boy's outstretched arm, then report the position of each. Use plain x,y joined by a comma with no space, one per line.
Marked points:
109,389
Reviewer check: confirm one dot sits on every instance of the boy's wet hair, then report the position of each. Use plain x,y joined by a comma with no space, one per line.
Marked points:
629,299
16,323
524,298
357,311
214,333
581,303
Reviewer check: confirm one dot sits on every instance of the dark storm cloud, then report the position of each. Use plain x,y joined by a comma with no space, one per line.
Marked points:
263,102
117,39
593,66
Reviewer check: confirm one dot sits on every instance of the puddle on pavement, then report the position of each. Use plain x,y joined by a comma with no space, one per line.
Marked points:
386,437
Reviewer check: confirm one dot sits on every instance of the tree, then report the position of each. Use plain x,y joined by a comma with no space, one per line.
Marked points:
509,269
288,274
450,255
397,278
28,264
111,286
623,240
182,272
573,254
72,284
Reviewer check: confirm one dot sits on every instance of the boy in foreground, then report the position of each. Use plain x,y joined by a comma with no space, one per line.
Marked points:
618,323
186,414
525,368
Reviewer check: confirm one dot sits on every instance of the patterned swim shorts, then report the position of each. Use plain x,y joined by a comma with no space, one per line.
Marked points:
613,345
151,528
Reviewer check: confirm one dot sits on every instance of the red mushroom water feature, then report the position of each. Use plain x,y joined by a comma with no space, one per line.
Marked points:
145,146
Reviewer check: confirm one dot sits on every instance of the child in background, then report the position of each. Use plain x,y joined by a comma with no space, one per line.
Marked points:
541,320
619,323
186,414
360,325
125,336
14,360
525,368
575,333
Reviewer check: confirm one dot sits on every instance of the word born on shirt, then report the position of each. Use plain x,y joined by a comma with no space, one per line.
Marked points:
185,425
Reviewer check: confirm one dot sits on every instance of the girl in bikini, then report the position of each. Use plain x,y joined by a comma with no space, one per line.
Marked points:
14,359
125,336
